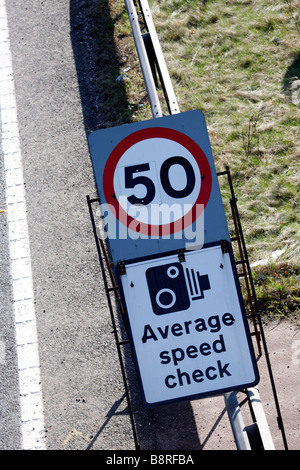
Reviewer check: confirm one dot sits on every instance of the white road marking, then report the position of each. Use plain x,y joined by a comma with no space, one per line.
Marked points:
31,401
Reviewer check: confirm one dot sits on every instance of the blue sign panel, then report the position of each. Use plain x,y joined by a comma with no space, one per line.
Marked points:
158,186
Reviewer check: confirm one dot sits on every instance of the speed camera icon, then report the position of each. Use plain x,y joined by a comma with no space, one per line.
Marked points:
172,288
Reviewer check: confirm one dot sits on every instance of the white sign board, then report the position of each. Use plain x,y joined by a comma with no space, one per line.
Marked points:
187,325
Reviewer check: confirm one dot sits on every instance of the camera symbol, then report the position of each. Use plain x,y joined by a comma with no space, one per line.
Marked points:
171,289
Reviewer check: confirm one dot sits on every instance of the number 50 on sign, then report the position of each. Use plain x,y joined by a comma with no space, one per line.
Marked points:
157,166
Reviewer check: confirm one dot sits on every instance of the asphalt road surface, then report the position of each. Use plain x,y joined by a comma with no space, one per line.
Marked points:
81,384
74,395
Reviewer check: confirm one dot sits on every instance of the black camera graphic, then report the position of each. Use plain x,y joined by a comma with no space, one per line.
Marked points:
171,288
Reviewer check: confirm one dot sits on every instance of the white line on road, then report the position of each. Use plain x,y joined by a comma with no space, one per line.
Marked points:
31,402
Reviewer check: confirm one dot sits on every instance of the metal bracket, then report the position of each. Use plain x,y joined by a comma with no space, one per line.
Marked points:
181,256
122,268
224,246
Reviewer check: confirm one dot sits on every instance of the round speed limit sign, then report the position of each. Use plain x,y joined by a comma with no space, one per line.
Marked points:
158,181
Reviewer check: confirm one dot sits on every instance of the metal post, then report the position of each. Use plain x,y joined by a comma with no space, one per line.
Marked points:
160,60
118,343
260,419
236,421
144,60
279,417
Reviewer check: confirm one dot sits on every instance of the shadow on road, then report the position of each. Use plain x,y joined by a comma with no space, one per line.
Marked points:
99,66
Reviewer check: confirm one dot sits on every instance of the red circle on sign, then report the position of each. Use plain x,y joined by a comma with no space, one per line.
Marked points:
163,133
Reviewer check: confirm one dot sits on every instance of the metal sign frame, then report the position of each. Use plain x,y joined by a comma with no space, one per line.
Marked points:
254,436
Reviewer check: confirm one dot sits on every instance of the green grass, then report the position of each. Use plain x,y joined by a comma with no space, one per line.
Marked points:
277,290
238,61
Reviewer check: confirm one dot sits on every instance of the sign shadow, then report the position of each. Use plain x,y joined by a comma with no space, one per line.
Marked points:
291,81
99,69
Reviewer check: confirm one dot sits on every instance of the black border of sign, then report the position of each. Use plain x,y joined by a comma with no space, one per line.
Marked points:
246,326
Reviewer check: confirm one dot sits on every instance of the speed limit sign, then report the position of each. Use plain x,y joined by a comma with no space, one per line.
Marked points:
155,167
158,186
